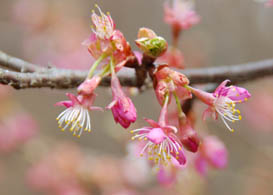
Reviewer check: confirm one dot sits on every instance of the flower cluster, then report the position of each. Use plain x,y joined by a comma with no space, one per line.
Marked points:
109,47
163,142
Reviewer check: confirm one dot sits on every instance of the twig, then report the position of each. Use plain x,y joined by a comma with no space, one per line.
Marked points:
33,76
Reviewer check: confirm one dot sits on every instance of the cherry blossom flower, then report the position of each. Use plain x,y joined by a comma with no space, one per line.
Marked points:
161,141
222,102
76,115
122,107
212,152
181,15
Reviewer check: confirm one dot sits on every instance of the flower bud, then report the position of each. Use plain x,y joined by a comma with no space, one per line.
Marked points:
189,138
152,47
151,44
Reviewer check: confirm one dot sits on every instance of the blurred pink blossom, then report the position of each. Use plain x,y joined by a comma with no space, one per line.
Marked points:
212,153
15,131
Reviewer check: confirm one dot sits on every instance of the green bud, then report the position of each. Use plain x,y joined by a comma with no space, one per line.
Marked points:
153,47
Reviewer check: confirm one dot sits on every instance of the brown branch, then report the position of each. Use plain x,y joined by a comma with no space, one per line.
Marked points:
33,76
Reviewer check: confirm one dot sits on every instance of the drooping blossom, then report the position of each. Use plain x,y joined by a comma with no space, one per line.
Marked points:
222,102
180,15
173,57
212,153
76,116
122,107
170,81
161,141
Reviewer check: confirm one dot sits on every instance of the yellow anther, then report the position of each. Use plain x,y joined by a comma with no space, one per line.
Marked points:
159,154
240,101
140,138
145,138
225,114
238,111
168,157
71,129
177,153
233,121
79,136
89,130
132,138
62,129
108,13
151,158
141,155
177,157
180,148
232,130
57,119
246,99
240,117
131,131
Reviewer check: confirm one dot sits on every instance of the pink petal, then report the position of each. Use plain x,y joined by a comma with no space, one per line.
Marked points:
73,98
152,123
64,103
156,135
238,94
209,112
180,157
221,86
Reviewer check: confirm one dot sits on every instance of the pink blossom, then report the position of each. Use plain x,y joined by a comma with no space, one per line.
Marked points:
161,141
173,57
212,153
122,107
181,15
223,102
76,115
104,25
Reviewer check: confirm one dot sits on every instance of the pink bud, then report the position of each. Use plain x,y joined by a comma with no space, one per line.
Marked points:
188,137
122,107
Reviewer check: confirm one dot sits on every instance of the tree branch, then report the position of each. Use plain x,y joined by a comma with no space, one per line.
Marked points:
33,76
